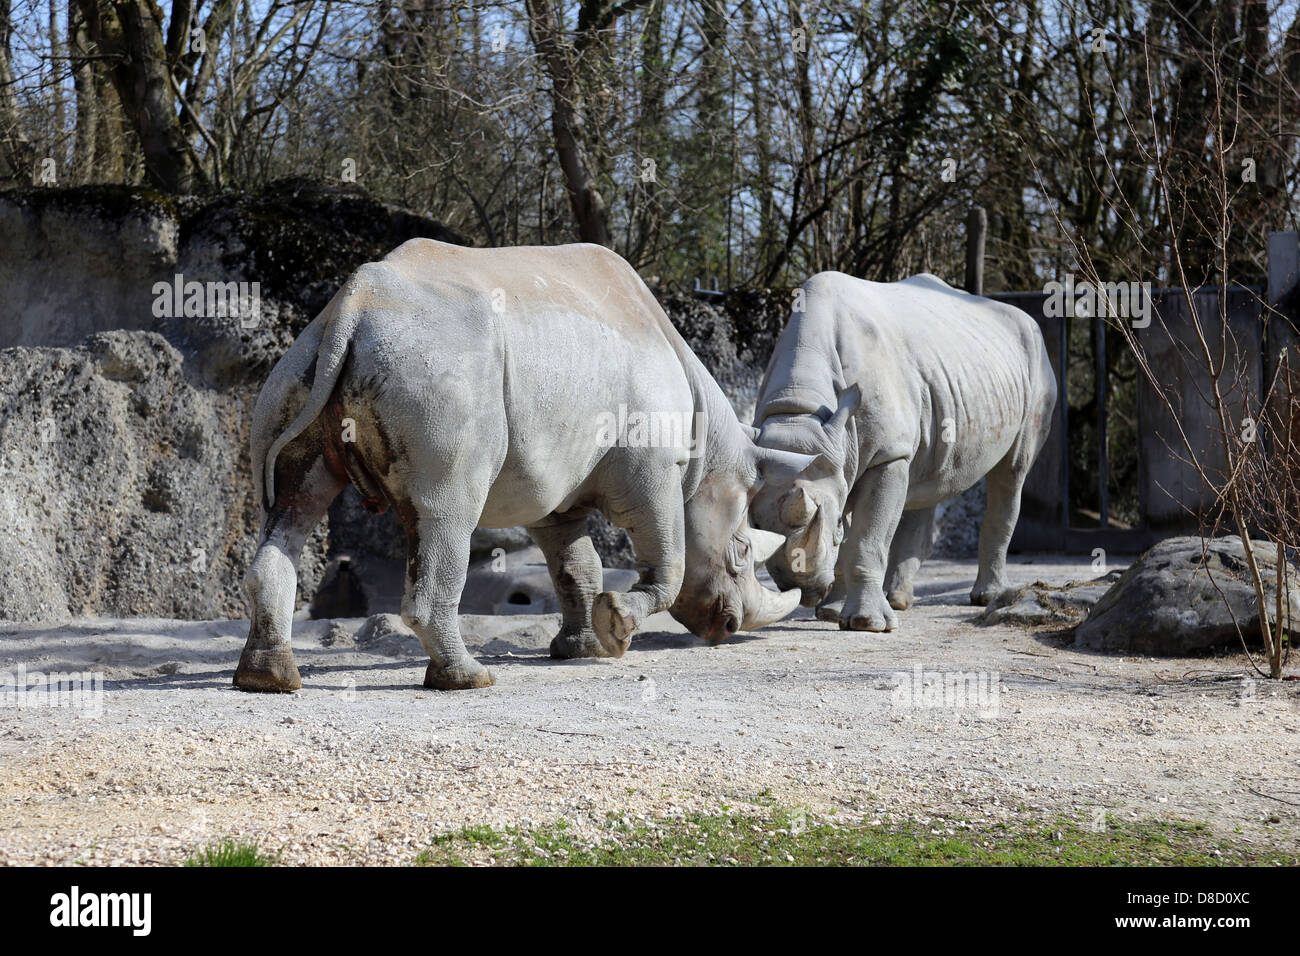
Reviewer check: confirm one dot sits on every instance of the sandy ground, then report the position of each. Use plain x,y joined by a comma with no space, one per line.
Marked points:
364,766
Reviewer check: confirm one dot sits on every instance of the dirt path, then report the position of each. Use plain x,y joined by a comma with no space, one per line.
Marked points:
364,766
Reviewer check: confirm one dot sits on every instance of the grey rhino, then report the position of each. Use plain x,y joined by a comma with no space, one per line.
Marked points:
469,387
908,393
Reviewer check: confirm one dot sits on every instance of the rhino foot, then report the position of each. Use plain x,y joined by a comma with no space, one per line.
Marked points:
267,671
613,622
572,642
900,599
830,611
872,613
984,593
468,675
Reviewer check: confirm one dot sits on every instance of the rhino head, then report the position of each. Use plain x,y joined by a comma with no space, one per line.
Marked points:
720,592
806,508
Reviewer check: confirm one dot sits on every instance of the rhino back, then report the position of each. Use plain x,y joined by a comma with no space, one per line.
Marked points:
515,354
947,378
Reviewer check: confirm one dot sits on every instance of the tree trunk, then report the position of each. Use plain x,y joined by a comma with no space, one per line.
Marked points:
131,32
16,153
590,213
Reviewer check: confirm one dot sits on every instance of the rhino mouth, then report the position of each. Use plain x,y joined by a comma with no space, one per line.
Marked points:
720,622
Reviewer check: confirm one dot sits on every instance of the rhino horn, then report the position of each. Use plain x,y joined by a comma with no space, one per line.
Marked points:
797,507
772,607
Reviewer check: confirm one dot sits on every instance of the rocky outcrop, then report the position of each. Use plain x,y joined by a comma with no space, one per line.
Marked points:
1185,596
123,485
124,429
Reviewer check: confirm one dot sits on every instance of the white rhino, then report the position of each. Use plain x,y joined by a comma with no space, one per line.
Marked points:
476,387
908,392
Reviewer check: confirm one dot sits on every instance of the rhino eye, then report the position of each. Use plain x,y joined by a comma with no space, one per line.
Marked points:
737,552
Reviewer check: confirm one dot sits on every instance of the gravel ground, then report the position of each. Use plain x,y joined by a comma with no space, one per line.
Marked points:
364,766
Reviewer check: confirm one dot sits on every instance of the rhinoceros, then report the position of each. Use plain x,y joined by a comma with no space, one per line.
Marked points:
908,393
500,387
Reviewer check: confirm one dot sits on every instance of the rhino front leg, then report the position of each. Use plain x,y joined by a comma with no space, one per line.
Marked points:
911,546
877,506
437,561
656,525
271,583
576,573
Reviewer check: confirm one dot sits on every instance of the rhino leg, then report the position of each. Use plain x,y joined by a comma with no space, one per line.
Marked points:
657,526
877,506
1003,486
576,573
833,604
303,495
910,547
437,562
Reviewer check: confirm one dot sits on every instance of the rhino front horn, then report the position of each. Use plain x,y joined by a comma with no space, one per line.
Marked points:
772,607
797,507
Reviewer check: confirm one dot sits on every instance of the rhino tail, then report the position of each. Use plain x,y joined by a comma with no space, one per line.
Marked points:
330,356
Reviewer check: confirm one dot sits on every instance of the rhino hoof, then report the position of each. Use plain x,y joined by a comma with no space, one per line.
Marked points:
900,600
267,671
614,623
458,677
830,612
569,644
981,596
867,622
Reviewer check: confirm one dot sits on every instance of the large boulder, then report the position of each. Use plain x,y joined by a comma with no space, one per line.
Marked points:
1185,596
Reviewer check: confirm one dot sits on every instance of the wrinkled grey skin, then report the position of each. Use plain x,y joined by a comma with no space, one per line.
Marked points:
464,388
908,393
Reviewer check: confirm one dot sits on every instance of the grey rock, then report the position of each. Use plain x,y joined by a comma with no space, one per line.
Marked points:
386,634
1042,603
1176,600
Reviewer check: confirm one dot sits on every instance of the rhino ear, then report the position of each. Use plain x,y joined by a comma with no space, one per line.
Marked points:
849,400
823,466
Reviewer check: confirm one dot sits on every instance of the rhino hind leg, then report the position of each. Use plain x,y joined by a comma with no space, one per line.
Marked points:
1003,483
271,584
907,552
437,563
575,571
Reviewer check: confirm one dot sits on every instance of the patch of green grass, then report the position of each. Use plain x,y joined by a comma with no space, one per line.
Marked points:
232,853
790,838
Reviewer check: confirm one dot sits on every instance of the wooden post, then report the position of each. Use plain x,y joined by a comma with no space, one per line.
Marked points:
977,226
